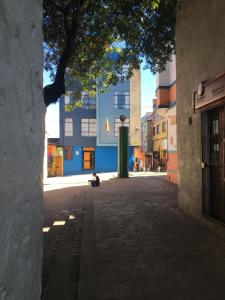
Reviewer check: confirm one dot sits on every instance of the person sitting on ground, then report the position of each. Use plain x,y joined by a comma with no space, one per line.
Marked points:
95,181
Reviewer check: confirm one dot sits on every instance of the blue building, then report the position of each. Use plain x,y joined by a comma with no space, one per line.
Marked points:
89,134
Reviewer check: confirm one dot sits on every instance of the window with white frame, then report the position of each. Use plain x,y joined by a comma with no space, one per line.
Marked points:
122,100
87,101
88,127
68,127
117,124
123,73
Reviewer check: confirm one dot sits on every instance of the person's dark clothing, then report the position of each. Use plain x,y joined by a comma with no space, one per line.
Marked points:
95,182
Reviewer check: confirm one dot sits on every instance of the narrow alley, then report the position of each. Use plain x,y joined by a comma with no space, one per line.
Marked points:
128,240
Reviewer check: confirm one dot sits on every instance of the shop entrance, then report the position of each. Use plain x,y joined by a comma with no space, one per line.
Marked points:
88,158
213,157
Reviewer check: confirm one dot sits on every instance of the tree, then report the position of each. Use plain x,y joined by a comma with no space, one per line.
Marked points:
80,37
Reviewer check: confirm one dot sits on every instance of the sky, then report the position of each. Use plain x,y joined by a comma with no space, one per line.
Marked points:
148,86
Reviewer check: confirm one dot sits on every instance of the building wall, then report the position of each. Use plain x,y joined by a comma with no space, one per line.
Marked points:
165,112
166,84
165,95
106,110
160,139
74,166
146,133
149,136
172,145
105,115
105,160
76,115
22,114
200,37
135,109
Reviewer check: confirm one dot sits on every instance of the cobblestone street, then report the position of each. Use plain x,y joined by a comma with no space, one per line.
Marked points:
128,240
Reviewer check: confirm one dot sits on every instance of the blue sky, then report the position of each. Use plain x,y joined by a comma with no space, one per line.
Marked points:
148,86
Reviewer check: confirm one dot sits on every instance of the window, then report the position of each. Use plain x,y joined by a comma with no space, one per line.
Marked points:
215,127
67,98
68,152
144,130
164,154
117,124
153,131
68,127
158,129
88,127
164,126
123,72
122,100
87,101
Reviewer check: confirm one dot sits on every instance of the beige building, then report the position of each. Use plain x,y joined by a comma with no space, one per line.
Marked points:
164,122
200,37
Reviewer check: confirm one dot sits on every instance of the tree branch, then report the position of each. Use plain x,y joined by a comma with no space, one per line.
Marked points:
52,92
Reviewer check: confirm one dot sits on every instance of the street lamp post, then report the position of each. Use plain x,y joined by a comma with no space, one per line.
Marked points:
123,149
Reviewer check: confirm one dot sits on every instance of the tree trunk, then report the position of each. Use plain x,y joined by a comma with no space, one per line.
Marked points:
54,91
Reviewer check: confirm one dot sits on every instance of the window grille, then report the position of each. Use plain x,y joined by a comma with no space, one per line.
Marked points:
121,100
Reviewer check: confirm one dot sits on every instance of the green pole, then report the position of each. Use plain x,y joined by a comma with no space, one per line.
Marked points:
123,152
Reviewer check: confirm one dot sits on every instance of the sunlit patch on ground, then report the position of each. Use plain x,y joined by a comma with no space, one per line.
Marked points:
59,223
72,217
55,183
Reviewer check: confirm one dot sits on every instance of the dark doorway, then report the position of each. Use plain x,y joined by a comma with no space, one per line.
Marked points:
88,158
213,154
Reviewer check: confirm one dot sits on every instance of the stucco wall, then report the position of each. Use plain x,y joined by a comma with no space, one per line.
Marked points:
106,110
167,77
135,109
200,37
77,114
22,148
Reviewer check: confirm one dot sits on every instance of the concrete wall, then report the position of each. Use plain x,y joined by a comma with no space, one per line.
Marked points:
200,37
22,148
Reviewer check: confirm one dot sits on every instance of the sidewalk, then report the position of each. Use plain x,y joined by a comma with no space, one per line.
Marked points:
129,241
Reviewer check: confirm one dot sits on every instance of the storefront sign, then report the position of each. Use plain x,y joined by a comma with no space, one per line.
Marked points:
210,94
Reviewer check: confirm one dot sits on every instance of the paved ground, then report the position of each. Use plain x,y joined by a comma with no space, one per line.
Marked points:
127,240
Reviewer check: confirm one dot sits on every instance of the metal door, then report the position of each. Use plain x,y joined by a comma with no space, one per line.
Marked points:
213,154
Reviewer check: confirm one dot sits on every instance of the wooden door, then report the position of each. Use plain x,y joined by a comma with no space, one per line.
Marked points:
88,159
58,166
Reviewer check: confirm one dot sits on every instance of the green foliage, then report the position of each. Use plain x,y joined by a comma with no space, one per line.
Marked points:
84,33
